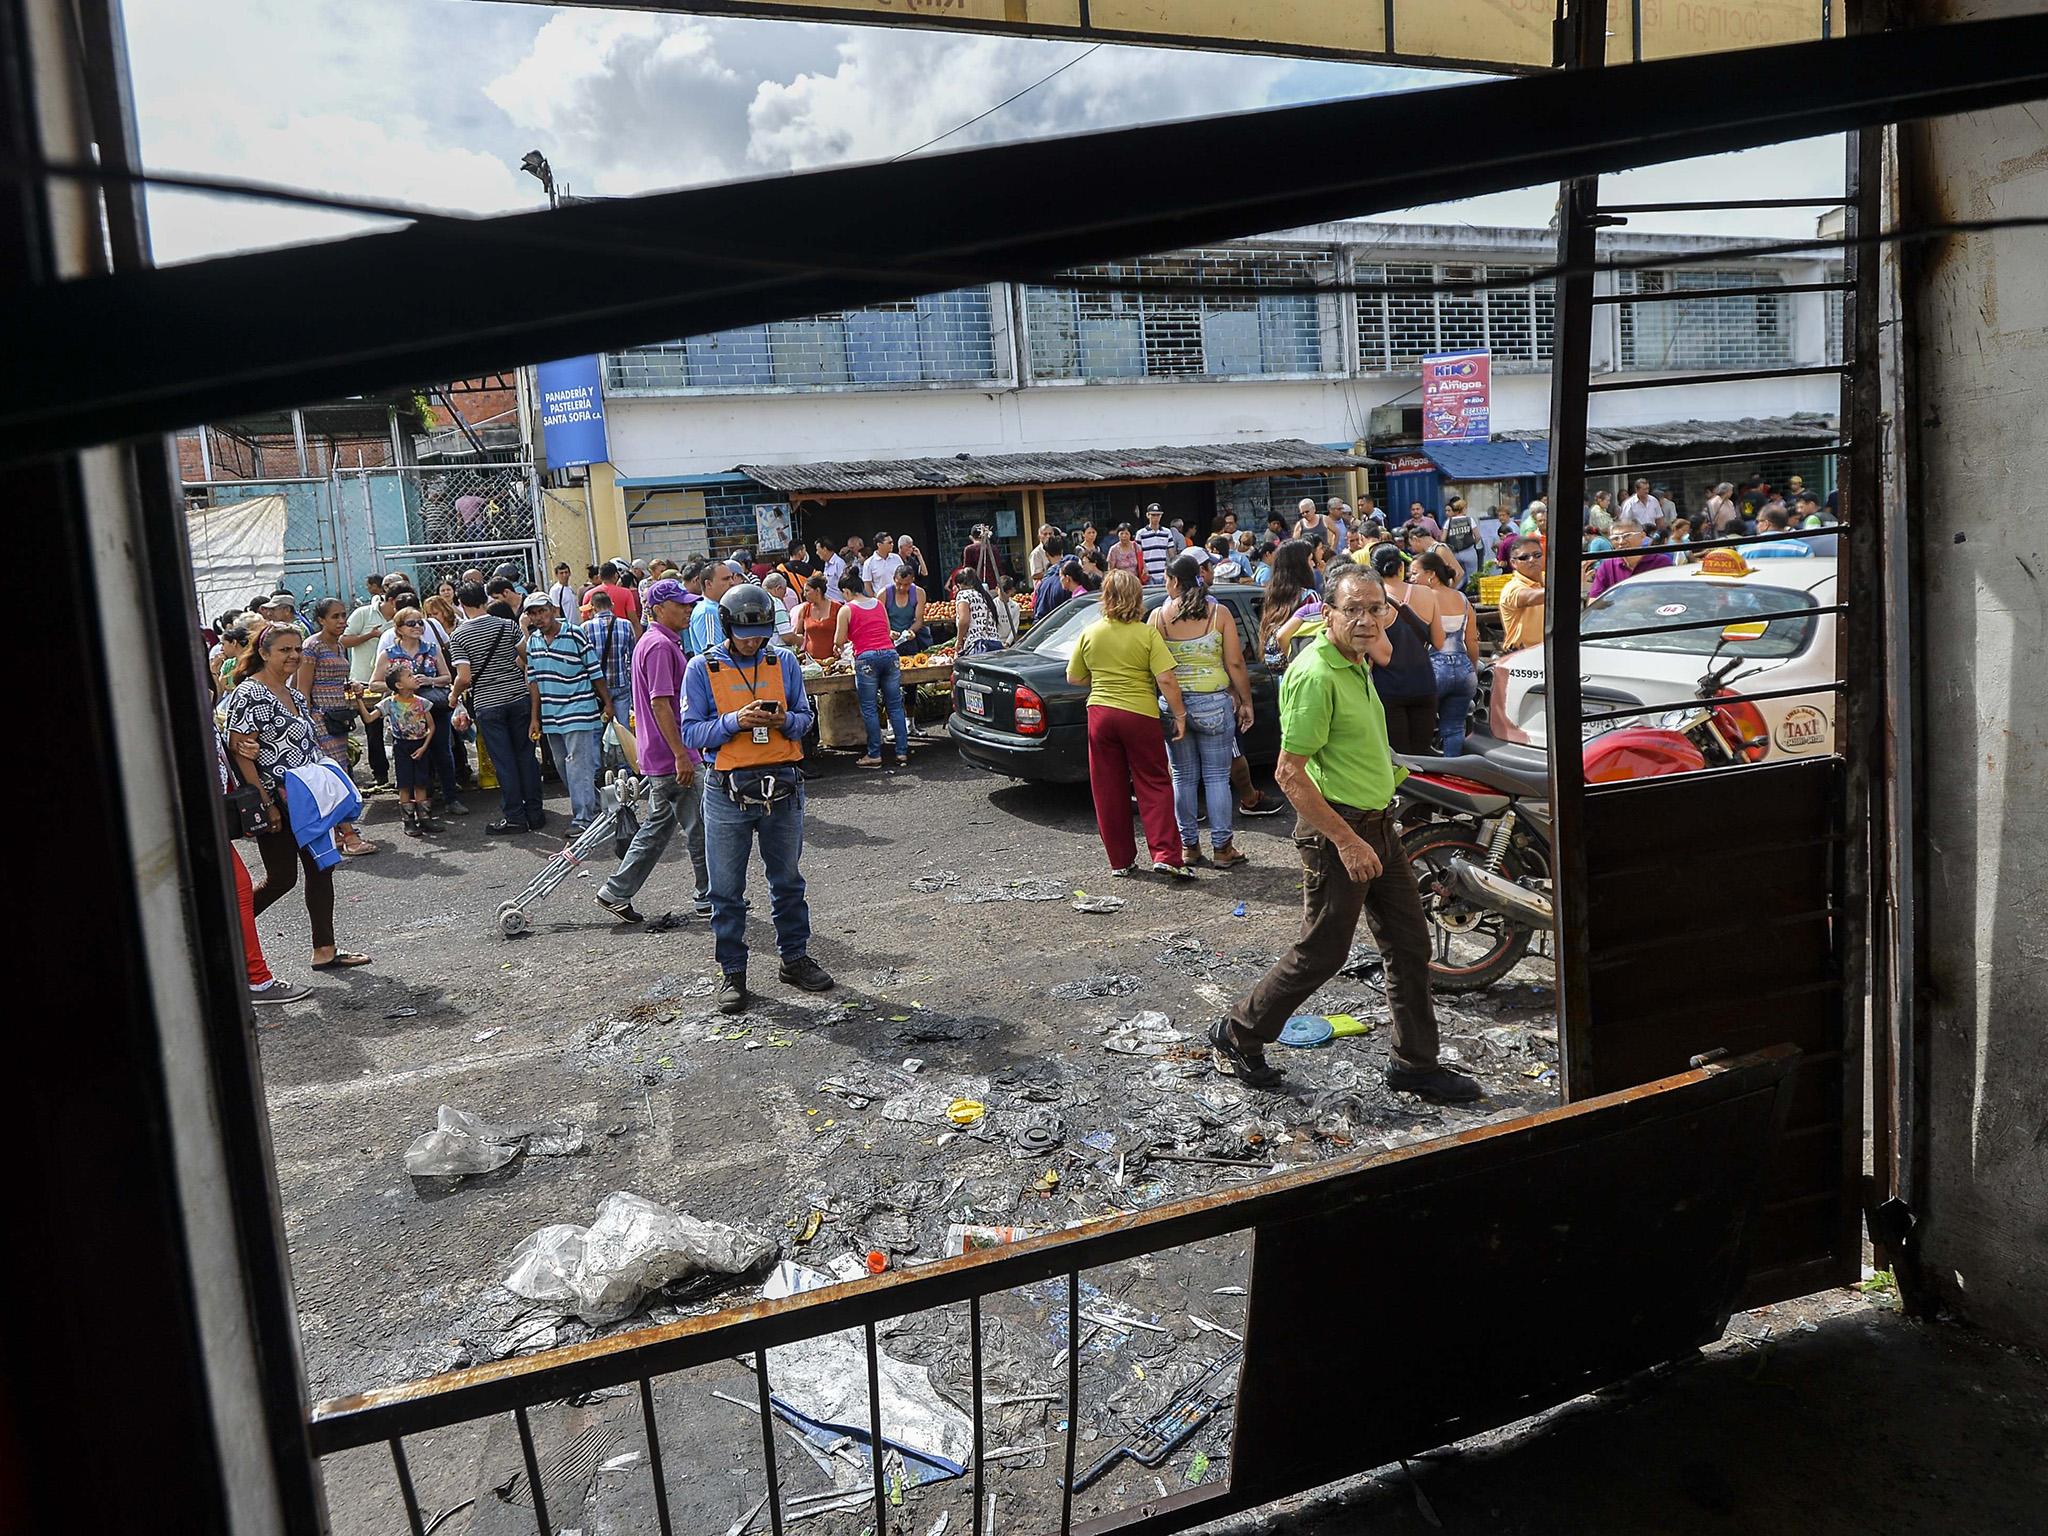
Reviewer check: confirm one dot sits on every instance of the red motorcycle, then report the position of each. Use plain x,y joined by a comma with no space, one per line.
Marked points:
1477,830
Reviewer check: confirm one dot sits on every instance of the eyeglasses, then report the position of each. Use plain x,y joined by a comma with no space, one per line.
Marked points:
413,624
1368,610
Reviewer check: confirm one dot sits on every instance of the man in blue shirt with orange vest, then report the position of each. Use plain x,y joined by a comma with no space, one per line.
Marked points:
746,713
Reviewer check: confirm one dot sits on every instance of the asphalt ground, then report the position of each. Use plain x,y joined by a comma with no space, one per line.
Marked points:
610,1028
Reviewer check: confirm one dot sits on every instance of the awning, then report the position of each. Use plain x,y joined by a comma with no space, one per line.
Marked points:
1489,461
1032,471
1801,427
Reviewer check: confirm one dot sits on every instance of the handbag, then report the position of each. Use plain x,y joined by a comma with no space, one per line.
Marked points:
246,815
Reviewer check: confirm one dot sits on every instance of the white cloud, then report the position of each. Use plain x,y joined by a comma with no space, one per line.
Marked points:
435,101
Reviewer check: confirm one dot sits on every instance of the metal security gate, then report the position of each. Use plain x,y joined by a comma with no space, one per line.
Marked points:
435,521
1786,848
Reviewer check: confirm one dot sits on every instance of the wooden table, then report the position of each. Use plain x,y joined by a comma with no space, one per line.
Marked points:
842,682
839,721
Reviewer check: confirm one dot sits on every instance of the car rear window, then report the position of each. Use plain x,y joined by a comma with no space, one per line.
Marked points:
1060,633
1639,604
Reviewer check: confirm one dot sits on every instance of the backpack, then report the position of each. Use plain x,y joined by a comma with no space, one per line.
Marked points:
1458,533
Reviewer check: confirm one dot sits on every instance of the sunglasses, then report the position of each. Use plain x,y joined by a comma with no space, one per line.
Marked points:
413,624
1531,555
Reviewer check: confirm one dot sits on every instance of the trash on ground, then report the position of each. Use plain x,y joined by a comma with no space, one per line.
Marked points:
821,1384
401,1013
1172,1405
964,1112
1085,987
1083,902
601,1272
488,1034
1039,1131
937,880
913,1063
1144,1034
964,1237
789,1278
1238,910
461,1145
1307,1030
1198,1468
1031,888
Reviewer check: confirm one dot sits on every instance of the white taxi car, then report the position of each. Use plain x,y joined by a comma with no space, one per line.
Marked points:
1796,646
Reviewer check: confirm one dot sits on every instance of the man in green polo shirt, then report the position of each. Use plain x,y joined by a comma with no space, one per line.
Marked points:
1336,768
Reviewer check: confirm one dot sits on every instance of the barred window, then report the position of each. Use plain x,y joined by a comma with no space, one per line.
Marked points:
1834,312
1753,332
1091,335
940,338
1396,329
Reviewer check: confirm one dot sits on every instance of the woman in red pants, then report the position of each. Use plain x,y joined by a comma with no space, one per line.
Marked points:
1127,666
263,987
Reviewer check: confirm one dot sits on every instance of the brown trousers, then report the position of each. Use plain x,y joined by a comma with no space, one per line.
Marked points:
1332,903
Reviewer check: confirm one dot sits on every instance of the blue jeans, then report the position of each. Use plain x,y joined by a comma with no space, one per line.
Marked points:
1200,761
505,730
668,802
881,672
730,831
1456,686
577,754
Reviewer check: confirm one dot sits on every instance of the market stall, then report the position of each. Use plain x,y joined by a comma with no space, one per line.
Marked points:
831,686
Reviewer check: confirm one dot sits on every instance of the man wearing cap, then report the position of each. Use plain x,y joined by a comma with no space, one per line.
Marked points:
283,608
1155,543
669,766
745,709
571,700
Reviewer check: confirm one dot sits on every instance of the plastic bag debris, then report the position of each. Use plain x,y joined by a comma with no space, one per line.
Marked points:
937,880
964,1237
460,1144
790,1278
1144,1034
603,1271
1083,902
825,1382
1032,888
1085,987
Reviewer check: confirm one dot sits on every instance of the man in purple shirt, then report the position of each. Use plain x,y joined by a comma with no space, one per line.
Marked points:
1627,560
669,766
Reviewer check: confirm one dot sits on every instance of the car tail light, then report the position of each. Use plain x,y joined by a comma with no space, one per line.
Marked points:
1744,726
1030,713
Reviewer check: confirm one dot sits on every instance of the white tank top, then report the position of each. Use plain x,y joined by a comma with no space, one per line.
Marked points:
1454,631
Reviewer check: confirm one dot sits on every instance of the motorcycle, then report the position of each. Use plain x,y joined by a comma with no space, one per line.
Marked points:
1477,828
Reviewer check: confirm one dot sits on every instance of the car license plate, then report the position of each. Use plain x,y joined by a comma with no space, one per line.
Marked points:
975,700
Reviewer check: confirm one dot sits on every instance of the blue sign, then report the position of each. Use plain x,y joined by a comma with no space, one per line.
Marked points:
572,413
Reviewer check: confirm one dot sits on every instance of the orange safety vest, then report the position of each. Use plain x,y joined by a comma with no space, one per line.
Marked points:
733,688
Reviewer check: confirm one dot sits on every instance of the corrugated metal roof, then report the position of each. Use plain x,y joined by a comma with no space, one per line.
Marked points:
968,471
1804,427
1507,460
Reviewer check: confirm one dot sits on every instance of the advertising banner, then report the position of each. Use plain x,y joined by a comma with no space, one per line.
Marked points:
572,412
1457,397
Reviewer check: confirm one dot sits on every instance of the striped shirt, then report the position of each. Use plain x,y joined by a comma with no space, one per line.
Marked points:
491,647
1157,543
565,669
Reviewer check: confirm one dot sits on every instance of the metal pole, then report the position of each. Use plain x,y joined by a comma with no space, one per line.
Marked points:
1582,43
299,442
206,454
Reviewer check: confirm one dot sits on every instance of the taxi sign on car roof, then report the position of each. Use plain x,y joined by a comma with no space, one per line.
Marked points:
1725,562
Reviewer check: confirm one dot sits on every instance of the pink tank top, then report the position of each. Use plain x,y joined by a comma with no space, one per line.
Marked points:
868,628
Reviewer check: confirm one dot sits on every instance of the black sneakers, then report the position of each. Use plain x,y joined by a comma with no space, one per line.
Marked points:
619,908
1438,1083
1246,1063
732,992
804,972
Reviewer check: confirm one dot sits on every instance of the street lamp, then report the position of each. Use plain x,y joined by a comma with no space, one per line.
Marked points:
536,165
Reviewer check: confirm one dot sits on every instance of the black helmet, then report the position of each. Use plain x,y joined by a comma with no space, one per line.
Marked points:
750,613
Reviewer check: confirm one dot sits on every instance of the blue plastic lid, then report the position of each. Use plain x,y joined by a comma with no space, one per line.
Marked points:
1307,1029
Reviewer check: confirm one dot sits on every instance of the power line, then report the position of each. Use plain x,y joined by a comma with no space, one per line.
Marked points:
991,112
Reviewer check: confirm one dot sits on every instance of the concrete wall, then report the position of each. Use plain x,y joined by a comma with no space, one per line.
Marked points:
1982,325
708,434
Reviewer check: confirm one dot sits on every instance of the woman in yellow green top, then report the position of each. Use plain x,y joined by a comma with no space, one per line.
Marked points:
1208,662
1127,667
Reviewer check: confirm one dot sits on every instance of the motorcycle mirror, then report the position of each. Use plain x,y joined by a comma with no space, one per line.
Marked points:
1750,630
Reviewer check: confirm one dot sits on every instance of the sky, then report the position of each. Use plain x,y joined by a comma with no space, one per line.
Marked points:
433,103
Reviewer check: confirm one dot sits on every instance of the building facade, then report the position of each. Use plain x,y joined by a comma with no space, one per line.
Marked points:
1003,370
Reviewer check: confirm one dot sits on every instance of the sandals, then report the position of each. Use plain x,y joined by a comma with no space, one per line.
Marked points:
342,961
361,848
869,762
